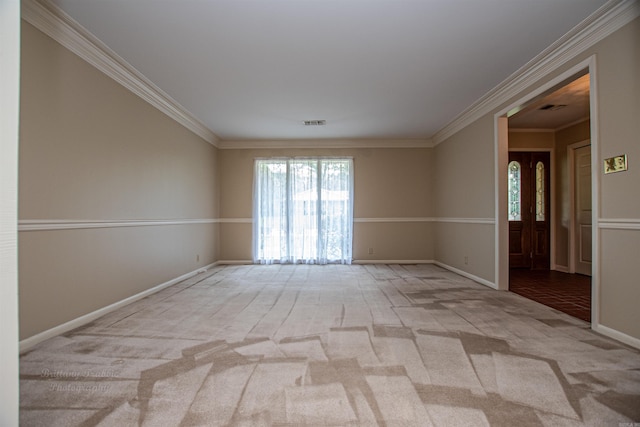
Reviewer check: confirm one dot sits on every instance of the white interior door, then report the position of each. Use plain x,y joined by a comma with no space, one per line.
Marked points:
583,210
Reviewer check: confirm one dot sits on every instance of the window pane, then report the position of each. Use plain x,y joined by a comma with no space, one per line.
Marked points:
514,191
303,210
540,191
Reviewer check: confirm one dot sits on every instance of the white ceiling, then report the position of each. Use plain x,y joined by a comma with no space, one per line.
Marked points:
256,69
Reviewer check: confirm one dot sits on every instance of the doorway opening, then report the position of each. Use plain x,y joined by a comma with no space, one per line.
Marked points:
550,253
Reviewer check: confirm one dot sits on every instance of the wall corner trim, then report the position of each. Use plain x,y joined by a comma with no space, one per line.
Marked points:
30,342
605,21
55,23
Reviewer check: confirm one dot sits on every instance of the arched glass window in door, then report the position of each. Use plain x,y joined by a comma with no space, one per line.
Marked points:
514,191
540,191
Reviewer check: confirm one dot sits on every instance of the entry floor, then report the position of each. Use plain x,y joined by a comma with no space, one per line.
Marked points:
569,293
337,345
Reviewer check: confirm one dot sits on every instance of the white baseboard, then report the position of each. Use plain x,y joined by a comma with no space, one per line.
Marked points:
27,343
467,275
355,261
561,268
617,335
234,262
392,261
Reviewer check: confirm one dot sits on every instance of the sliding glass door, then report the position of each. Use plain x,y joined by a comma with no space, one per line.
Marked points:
303,210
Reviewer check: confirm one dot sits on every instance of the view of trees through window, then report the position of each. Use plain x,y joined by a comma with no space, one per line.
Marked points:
303,210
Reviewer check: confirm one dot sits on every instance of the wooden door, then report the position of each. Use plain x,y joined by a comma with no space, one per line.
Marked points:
529,210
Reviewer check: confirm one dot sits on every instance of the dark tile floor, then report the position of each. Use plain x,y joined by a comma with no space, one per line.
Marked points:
569,293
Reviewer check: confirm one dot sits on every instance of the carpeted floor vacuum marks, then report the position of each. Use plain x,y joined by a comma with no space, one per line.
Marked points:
331,345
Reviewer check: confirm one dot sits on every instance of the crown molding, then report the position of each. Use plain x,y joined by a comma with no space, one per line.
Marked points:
325,143
58,25
602,23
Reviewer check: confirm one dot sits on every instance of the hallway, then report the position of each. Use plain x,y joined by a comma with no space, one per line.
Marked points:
568,293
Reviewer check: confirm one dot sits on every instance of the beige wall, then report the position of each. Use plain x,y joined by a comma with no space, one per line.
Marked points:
464,200
90,150
619,131
531,140
617,92
392,200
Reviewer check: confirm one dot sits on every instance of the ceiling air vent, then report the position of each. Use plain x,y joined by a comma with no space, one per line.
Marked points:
315,122
552,107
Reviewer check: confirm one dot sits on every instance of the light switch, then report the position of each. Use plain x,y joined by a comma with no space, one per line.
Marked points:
615,164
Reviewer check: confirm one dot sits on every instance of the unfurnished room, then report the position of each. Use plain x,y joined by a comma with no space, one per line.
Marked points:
320,213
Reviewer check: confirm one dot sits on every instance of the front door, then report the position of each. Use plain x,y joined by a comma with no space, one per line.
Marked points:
529,245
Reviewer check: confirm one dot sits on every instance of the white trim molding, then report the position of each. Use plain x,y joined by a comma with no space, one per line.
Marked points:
235,262
325,143
9,143
385,219
63,224
463,273
605,21
58,25
397,219
488,221
617,335
27,343
354,261
235,220
618,224
392,261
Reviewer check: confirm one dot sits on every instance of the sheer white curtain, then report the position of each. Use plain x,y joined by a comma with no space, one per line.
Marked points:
303,210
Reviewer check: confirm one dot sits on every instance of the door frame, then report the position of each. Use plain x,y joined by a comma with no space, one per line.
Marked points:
552,198
571,157
501,147
9,129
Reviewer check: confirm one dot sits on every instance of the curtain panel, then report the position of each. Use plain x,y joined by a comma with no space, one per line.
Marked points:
303,210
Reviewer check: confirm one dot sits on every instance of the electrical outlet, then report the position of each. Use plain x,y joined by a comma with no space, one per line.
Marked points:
466,260
370,251
198,258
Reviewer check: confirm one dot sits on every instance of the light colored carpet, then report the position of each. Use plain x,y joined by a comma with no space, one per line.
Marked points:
359,345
